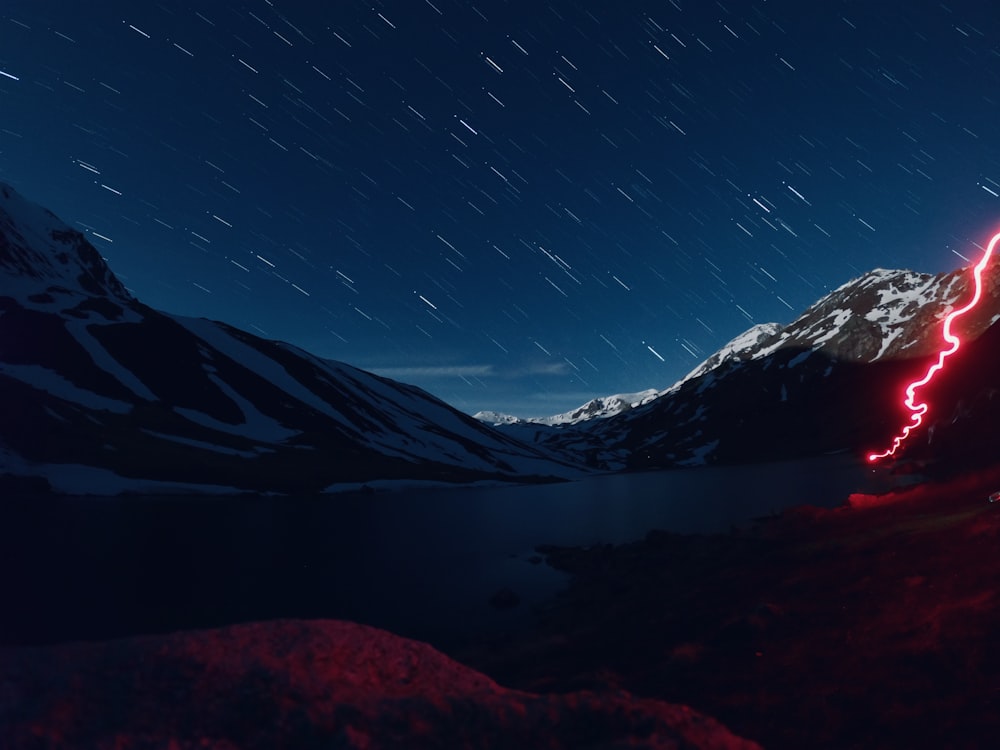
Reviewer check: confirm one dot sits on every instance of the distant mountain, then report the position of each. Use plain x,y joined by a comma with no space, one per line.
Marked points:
743,347
102,394
542,430
830,380
598,408
496,418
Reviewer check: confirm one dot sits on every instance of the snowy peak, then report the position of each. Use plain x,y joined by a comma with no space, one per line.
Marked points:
39,253
764,395
880,315
598,408
744,346
883,313
496,418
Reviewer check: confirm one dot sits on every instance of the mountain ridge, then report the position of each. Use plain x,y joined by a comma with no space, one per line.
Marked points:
827,381
37,248
880,314
102,394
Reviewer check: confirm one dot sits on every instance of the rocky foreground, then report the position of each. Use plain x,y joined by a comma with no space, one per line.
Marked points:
867,626
318,684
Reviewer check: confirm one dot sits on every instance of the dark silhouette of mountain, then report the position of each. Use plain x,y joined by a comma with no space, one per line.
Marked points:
102,394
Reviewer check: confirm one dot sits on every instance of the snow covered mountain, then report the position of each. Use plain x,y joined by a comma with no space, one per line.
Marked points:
830,380
547,431
878,315
598,408
102,394
884,314
743,347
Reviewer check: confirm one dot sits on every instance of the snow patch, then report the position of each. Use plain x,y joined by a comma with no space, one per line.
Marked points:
255,426
76,479
44,379
799,358
103,359
699,456
214,335
225,450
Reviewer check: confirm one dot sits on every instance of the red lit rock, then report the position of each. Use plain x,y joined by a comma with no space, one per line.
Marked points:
299,684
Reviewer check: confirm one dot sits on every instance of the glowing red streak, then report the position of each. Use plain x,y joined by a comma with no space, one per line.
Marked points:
918,410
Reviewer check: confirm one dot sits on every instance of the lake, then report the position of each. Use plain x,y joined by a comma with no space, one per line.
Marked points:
422,563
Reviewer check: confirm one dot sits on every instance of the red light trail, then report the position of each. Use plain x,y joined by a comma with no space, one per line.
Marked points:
917,410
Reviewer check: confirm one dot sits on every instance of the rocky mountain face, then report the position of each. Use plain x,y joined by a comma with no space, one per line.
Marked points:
39,254
886,315
832,380
102,394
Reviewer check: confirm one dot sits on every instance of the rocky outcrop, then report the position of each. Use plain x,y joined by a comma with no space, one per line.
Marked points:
309,684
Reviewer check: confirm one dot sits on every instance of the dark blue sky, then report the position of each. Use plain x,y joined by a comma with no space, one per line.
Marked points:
515,205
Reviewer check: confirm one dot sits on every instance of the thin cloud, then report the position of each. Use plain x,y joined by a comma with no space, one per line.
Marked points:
550,368
441,371
469,371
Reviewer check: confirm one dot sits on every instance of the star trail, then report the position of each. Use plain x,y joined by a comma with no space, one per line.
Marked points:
517,206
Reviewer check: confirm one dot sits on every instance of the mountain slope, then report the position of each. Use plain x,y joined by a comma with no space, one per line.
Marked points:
830,380
878,315
103,394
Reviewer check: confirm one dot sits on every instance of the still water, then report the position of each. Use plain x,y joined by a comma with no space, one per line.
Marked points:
421,563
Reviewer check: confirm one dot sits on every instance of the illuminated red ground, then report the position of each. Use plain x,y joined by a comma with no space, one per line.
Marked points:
867,627
301,685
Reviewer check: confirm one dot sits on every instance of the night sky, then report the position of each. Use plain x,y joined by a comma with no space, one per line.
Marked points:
516,205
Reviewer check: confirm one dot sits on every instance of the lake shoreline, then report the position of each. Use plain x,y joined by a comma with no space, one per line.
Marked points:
104,567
